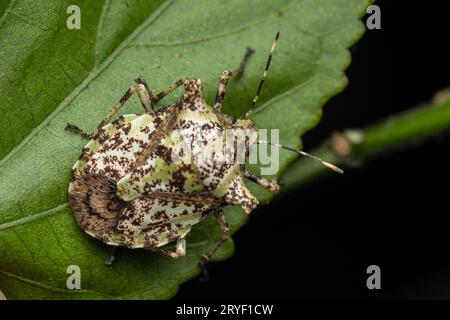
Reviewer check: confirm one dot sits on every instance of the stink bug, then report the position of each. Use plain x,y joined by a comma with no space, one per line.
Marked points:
126,189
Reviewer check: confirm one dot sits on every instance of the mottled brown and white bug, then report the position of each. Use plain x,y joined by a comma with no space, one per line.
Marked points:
126,190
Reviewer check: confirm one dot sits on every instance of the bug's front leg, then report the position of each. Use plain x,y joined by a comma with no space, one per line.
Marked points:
144,95
141,80
271,186
226,75
178,83
75,129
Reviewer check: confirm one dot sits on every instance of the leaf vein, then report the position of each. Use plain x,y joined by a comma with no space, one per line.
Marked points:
33,217
99,34
194,41
40,284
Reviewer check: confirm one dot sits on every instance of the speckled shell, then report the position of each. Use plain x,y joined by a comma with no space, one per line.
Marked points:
127,191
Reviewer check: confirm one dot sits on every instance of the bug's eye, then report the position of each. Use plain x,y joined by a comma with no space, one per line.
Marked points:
232,119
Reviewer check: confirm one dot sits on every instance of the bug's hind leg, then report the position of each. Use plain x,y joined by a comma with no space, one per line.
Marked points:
179,252
225,229
141,88
110,260
271,186
226,75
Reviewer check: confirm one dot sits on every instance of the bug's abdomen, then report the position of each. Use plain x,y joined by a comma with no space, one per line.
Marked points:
95,204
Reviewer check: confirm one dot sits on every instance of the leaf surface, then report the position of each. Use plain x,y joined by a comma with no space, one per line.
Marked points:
51,75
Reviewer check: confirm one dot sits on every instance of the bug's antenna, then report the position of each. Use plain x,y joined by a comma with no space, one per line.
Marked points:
303,153
263,78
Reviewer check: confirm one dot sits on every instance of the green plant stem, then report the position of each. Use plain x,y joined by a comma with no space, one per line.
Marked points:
354,147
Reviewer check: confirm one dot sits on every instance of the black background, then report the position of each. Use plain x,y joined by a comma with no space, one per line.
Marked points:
317,242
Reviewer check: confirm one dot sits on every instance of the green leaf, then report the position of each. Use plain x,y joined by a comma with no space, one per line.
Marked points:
51,75
43,61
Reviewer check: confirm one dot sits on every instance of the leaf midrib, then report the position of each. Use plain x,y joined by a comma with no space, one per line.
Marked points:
7,11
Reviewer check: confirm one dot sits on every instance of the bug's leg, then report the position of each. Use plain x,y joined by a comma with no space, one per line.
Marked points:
77,130
226,75
271,186
239,71
144,96
225,229
141,90
141,80
112,257
178,253
166,92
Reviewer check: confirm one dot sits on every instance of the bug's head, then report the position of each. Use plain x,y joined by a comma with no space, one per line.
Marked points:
244,130
241,123
244,123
